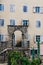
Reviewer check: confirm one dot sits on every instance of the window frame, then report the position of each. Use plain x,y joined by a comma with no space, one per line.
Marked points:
12,22
35,51
1,37
12,7
38,23
1,22
36,10
25,8
37,37
1,7
25,22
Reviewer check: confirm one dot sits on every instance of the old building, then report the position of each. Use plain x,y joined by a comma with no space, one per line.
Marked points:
20,12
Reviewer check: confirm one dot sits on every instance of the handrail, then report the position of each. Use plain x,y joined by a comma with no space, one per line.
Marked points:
5,50
16,49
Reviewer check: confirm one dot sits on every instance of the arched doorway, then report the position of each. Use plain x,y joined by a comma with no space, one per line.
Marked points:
18,38
23,29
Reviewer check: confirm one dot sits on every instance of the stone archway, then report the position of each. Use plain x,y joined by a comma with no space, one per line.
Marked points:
23,29
18,38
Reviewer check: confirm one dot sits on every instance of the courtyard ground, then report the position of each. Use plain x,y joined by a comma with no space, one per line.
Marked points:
3,64
6,64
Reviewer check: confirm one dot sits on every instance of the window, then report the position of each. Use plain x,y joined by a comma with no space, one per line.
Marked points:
37,38
1,7
25,22
1,37
35,51
24,8
12,8
12,22
1,22
41,38
32,52
38,24
41,9
38,9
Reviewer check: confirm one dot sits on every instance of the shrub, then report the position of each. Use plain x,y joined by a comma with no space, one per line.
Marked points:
15,58
35,62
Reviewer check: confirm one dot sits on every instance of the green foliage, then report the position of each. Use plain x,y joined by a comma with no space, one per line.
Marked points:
15,58
35,62
25,61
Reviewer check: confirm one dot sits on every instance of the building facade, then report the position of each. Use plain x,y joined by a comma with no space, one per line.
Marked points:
14,12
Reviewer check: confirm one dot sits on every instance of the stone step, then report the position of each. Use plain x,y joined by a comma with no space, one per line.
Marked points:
3,64
1,59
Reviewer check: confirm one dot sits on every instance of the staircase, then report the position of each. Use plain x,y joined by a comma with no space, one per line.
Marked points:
4,47
3,55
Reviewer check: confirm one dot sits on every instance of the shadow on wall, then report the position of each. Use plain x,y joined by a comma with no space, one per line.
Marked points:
19,44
